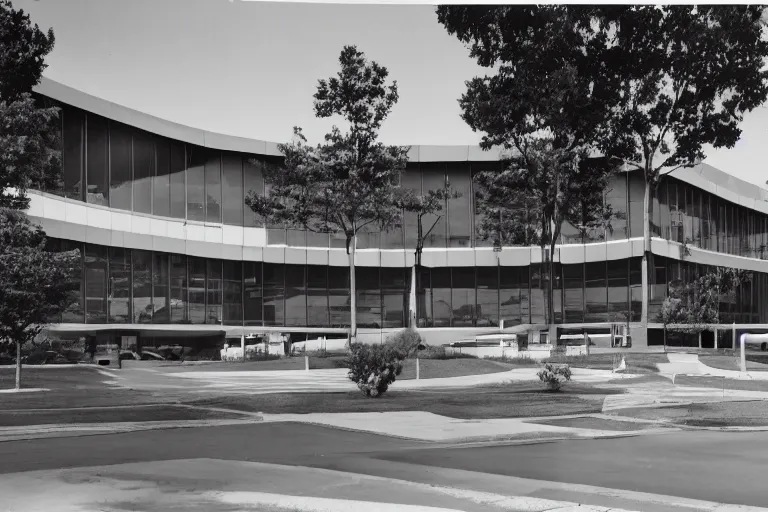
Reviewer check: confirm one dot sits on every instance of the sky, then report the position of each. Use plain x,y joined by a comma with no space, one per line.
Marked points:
250,68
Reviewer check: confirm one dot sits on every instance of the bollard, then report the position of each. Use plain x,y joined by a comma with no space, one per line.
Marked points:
417,368
306,362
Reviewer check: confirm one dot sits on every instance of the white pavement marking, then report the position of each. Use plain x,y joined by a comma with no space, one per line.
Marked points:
24,390
313,504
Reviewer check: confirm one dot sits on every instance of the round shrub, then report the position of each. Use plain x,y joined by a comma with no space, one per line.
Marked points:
374,367
555,375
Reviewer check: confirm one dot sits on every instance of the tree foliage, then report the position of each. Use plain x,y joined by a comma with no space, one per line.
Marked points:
694,304
351,180
28,131
34,283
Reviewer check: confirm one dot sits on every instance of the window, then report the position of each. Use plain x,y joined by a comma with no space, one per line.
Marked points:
411,180
539,287
178,196
253,293
463,297
179,289
511,283
274,294
120,173
573,293
595,292
196,184
442,310
618,291
97,191
161,183
95,284
636,200
368,297
317,296
253,181
232,189
213,186
459,209
616,197
295,295
213,292
487,312
74,311
142,286
636,289
424,297
433,178
394,285
196,300
143,172
338,296
161,299
477,217
72,154
233,292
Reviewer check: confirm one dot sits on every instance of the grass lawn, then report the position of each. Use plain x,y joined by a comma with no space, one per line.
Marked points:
438,368
719,382
110,415
725,362
70,387
719,414
636,362
514,400
286,363
598,424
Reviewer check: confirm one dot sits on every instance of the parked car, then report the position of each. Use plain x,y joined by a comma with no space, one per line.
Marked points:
147,355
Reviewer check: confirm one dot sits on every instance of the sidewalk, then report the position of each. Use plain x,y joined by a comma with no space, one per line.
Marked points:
221,485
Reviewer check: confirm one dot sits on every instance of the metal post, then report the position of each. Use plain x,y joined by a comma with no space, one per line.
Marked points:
715,331
743,353
306,362
417,367
586,343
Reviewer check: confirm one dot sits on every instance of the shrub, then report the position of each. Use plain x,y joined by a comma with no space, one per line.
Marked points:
374,367
405,342
555,375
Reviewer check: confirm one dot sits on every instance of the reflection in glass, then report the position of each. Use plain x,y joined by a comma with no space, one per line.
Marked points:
74,310
618,291
253,292
595,293
232,189
338,296
441,297
213,292
573,292
317,296
433,178
196,300
411,180
253,181
120,151
539,289
142,286
394,286
119,285
213,186
161,183
459,209
487,296
98,160
636,199
295,295
161,298
196,184
233,292
177,177
463,296
424,297
179,289
368,297
95,284
511,284
274,294
72,154
143,172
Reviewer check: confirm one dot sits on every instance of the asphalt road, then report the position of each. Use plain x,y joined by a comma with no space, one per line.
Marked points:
713,466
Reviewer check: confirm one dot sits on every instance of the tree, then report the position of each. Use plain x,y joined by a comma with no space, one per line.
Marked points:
28,154
425,206
350,181
34,283
669,79
693,305
548,120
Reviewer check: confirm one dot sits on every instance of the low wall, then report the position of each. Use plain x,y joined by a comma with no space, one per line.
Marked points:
537,352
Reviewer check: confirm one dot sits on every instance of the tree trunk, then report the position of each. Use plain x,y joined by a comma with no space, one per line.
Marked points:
646,252
551,294
18,365
352,291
